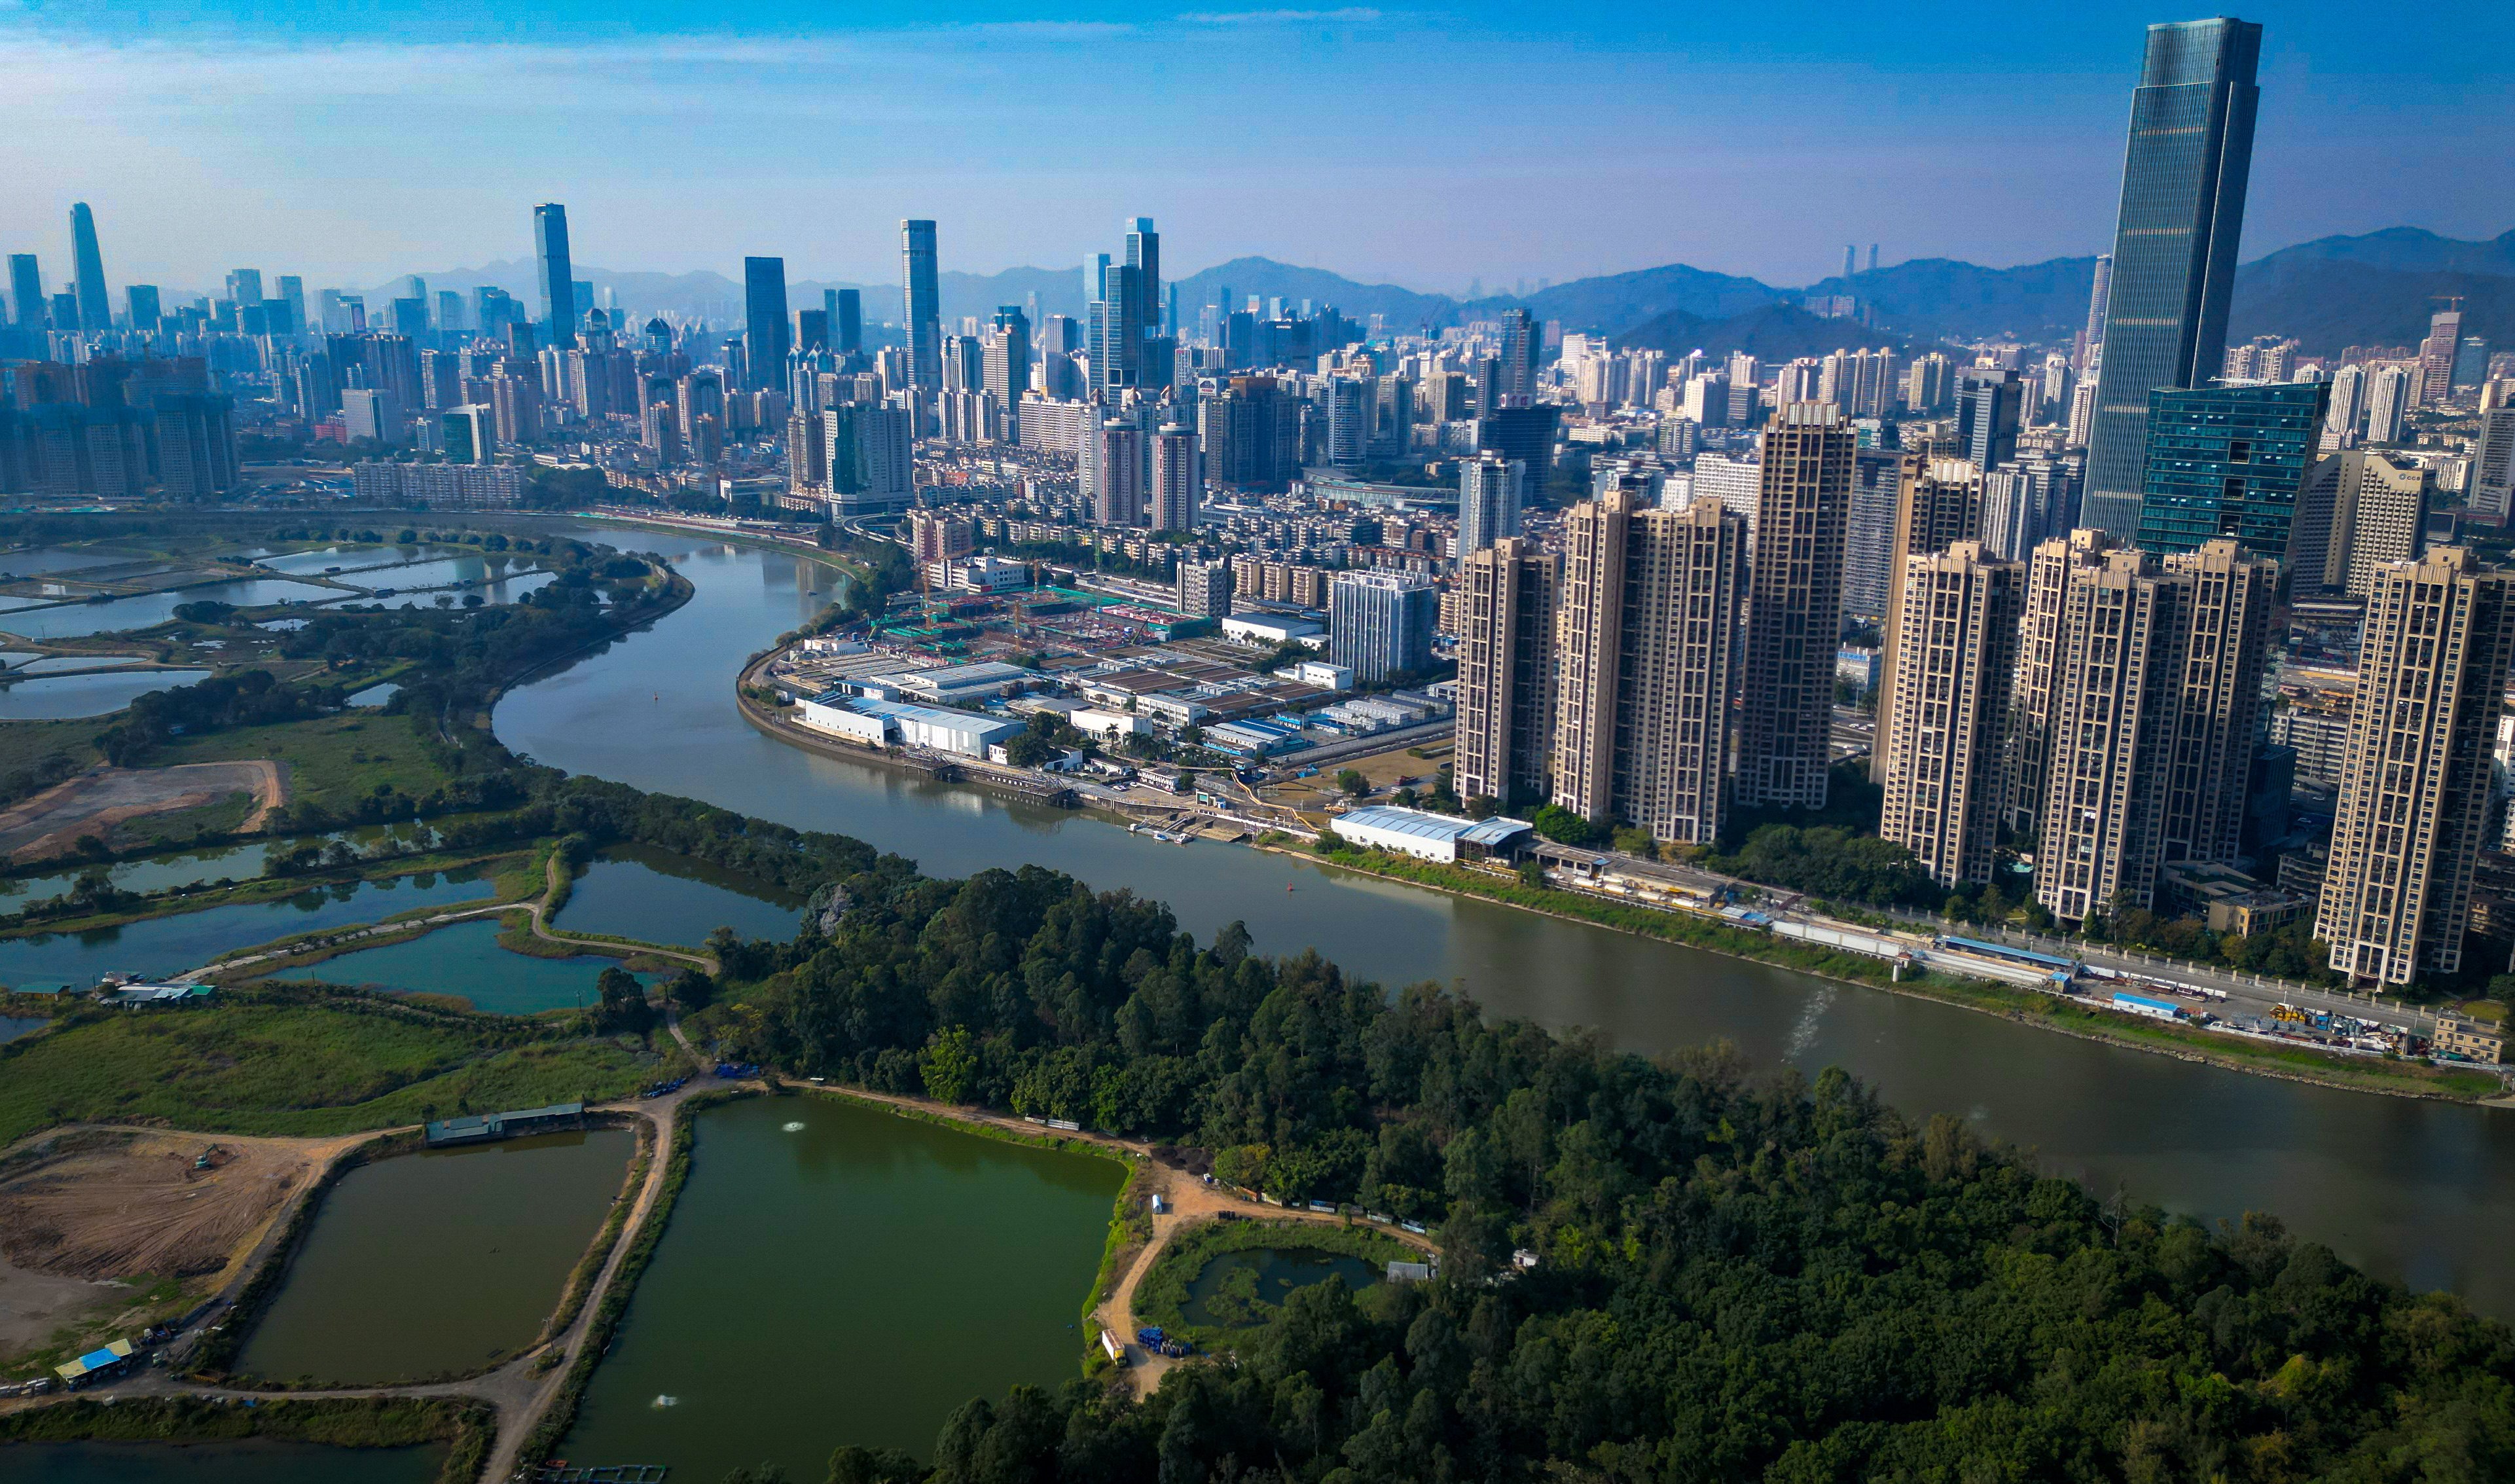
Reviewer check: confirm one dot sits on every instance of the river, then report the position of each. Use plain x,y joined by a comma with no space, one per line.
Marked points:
2415,1190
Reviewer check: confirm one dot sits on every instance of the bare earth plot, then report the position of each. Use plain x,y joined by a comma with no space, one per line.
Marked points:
94,802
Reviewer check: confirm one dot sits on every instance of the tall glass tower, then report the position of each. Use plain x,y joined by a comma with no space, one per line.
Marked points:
2175,246
558,275
87,260
925,305
768,337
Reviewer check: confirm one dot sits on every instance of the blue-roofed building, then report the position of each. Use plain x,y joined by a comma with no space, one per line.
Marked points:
1445,838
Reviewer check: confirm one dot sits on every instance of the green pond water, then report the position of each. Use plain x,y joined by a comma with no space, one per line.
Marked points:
187,940
1226,1294
658,897
465,960
57,698
838,1274
436,1262
154,874
253,1462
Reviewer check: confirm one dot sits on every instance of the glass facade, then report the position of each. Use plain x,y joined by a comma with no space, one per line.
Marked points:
2229,461
2184,176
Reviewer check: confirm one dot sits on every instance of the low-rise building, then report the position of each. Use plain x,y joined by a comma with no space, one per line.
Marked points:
2231,902
2473,1038
1444,838
879,723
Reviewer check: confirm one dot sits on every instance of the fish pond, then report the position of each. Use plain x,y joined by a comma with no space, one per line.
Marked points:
439,1262
63,697
464,960
144,609
253,1462
634,892
1240,1289
183,941
835,1273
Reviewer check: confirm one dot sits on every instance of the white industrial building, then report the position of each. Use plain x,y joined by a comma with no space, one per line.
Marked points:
879,723
1445,838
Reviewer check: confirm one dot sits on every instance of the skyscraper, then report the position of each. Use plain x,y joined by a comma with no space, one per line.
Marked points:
1489,501
2415,780
140,299
768,337
922,293
1007,358
2184,175
1115,467
1144,255
1645,663
1178,484
1942,733
1523,349
26,309
2092,340
2151,699
2229,461
558,273
2359,510
87,259
1989,405
2436,354
1794,613
1507,599
846,321
1938,502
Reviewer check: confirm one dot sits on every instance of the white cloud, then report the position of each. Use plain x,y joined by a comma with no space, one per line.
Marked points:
1352,15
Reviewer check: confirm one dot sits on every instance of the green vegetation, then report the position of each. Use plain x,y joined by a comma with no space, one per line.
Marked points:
1735,1278
335,764
292,1059
1162,1295
467,1427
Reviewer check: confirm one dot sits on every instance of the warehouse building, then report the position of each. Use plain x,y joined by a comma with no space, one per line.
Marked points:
1445,838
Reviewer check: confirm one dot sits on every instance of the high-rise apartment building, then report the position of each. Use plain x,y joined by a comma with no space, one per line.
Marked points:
1115,471
1794,612
2388,403
1489,501
2492,485
1008,357
2229,461
1380,623
767,335
1506,596
1943,730
1205,589
2415,780
2346,412
2150,708
87,262
1178,479
2184,176
1938,504
867,453
559,308
197,443
1645,663
921,294
2053,568
2360,510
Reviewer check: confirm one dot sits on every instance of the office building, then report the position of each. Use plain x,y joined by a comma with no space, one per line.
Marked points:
2184,176
197,443
1506,598
2229,461
2415,782
2359,510
1490,488
1205,589
1989,404
2150,709
87,260
1794,612
1381,623
2092,340
1646,664
1942,730
866,450
141,301
922,297
27,310
1524,434
1514,379
468,433
372,412
846,321
767,337
1938,504
559,308
1179,480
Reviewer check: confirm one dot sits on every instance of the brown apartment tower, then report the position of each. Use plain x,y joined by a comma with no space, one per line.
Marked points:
2149,709
1938,502
1646,665
2414,784
1794,612
1942,739
1506,596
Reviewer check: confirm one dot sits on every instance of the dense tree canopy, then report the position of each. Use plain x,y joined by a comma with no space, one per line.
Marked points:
1737,1278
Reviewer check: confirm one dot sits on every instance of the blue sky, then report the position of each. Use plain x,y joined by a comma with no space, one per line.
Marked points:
355,139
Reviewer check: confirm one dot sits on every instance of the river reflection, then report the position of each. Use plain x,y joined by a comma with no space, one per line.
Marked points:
2420,1191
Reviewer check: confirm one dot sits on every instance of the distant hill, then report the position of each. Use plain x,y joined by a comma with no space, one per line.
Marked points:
1265,277
1942,298
2408,250
1772,332
1619,302
2375,289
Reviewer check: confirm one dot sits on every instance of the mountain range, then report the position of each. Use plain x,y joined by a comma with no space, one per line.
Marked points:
2377,288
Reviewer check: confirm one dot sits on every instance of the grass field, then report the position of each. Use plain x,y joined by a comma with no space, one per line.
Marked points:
331,760
289,1061
23,744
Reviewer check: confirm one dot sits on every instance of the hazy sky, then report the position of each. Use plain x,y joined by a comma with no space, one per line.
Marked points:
354,139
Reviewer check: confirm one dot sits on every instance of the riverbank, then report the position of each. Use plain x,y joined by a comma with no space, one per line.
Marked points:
466,1428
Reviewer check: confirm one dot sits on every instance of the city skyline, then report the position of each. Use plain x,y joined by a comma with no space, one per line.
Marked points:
950,113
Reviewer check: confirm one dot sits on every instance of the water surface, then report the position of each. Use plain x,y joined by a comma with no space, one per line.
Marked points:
464,959
187,940
142,611
850,1280
438,1261
59,698
2416,1190
1267,1275
250,1462
635,891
